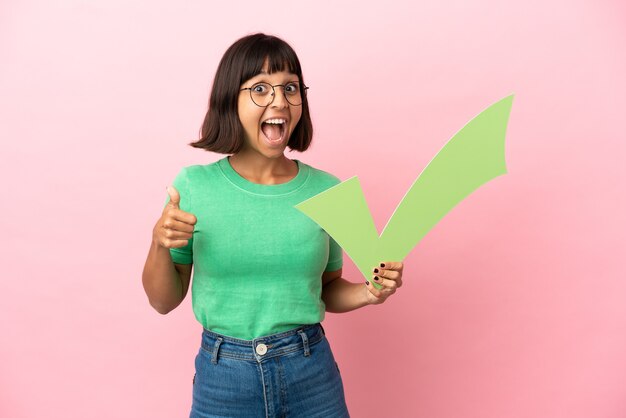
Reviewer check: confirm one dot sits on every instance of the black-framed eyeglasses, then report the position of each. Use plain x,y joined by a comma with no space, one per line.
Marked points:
263,94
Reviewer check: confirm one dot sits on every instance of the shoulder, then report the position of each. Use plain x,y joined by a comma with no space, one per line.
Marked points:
199,172
322,177
192,178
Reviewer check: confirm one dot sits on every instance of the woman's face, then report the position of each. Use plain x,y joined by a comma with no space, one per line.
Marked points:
268,139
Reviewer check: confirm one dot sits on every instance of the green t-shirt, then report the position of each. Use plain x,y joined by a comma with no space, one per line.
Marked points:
258,261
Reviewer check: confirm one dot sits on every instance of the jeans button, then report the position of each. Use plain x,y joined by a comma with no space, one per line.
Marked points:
261,349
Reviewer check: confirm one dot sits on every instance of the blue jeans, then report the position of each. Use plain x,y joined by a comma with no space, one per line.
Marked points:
289,374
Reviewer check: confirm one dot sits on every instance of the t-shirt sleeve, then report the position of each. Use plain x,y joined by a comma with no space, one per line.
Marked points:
182,255
335,256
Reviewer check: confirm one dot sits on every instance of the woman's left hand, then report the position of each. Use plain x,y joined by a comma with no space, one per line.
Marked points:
389,275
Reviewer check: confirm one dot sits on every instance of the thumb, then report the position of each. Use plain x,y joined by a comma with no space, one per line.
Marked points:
174,197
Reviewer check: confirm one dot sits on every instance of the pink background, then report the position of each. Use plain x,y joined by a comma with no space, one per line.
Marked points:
513,306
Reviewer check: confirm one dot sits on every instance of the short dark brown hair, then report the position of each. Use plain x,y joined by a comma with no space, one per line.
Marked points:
221,130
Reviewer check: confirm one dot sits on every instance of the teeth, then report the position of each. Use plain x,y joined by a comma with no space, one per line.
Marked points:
276,121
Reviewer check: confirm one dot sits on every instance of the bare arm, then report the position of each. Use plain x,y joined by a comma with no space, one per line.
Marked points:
340,295
165,283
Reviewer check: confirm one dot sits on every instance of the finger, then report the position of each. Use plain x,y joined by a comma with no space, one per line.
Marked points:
174,205
174,197
173,224
182,216
388,274
174,235
372,289
377,279
174,243
385,283
391,265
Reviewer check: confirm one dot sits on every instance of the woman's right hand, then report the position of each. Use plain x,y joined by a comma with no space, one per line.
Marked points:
175,227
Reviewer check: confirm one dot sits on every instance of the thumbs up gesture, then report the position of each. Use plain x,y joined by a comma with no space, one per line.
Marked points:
175,227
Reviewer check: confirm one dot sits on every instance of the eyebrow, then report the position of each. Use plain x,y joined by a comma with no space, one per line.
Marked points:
266,73
263,80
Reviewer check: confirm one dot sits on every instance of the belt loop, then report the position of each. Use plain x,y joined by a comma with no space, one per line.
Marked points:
323,332
216,349
305,341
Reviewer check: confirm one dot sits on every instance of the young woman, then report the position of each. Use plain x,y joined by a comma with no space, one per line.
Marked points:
264,273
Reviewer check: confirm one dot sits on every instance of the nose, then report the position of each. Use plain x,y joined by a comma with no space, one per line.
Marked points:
280,100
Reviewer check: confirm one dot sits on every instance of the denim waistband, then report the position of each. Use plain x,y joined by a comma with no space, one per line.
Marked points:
261,348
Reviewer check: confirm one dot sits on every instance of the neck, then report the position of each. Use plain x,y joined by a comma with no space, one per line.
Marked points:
262,170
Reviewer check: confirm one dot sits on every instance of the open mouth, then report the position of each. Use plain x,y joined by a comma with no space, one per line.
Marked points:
274,129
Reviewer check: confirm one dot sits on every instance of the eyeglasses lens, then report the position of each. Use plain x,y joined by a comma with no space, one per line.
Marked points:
263,94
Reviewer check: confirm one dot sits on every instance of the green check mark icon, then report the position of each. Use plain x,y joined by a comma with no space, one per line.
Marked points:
471,158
